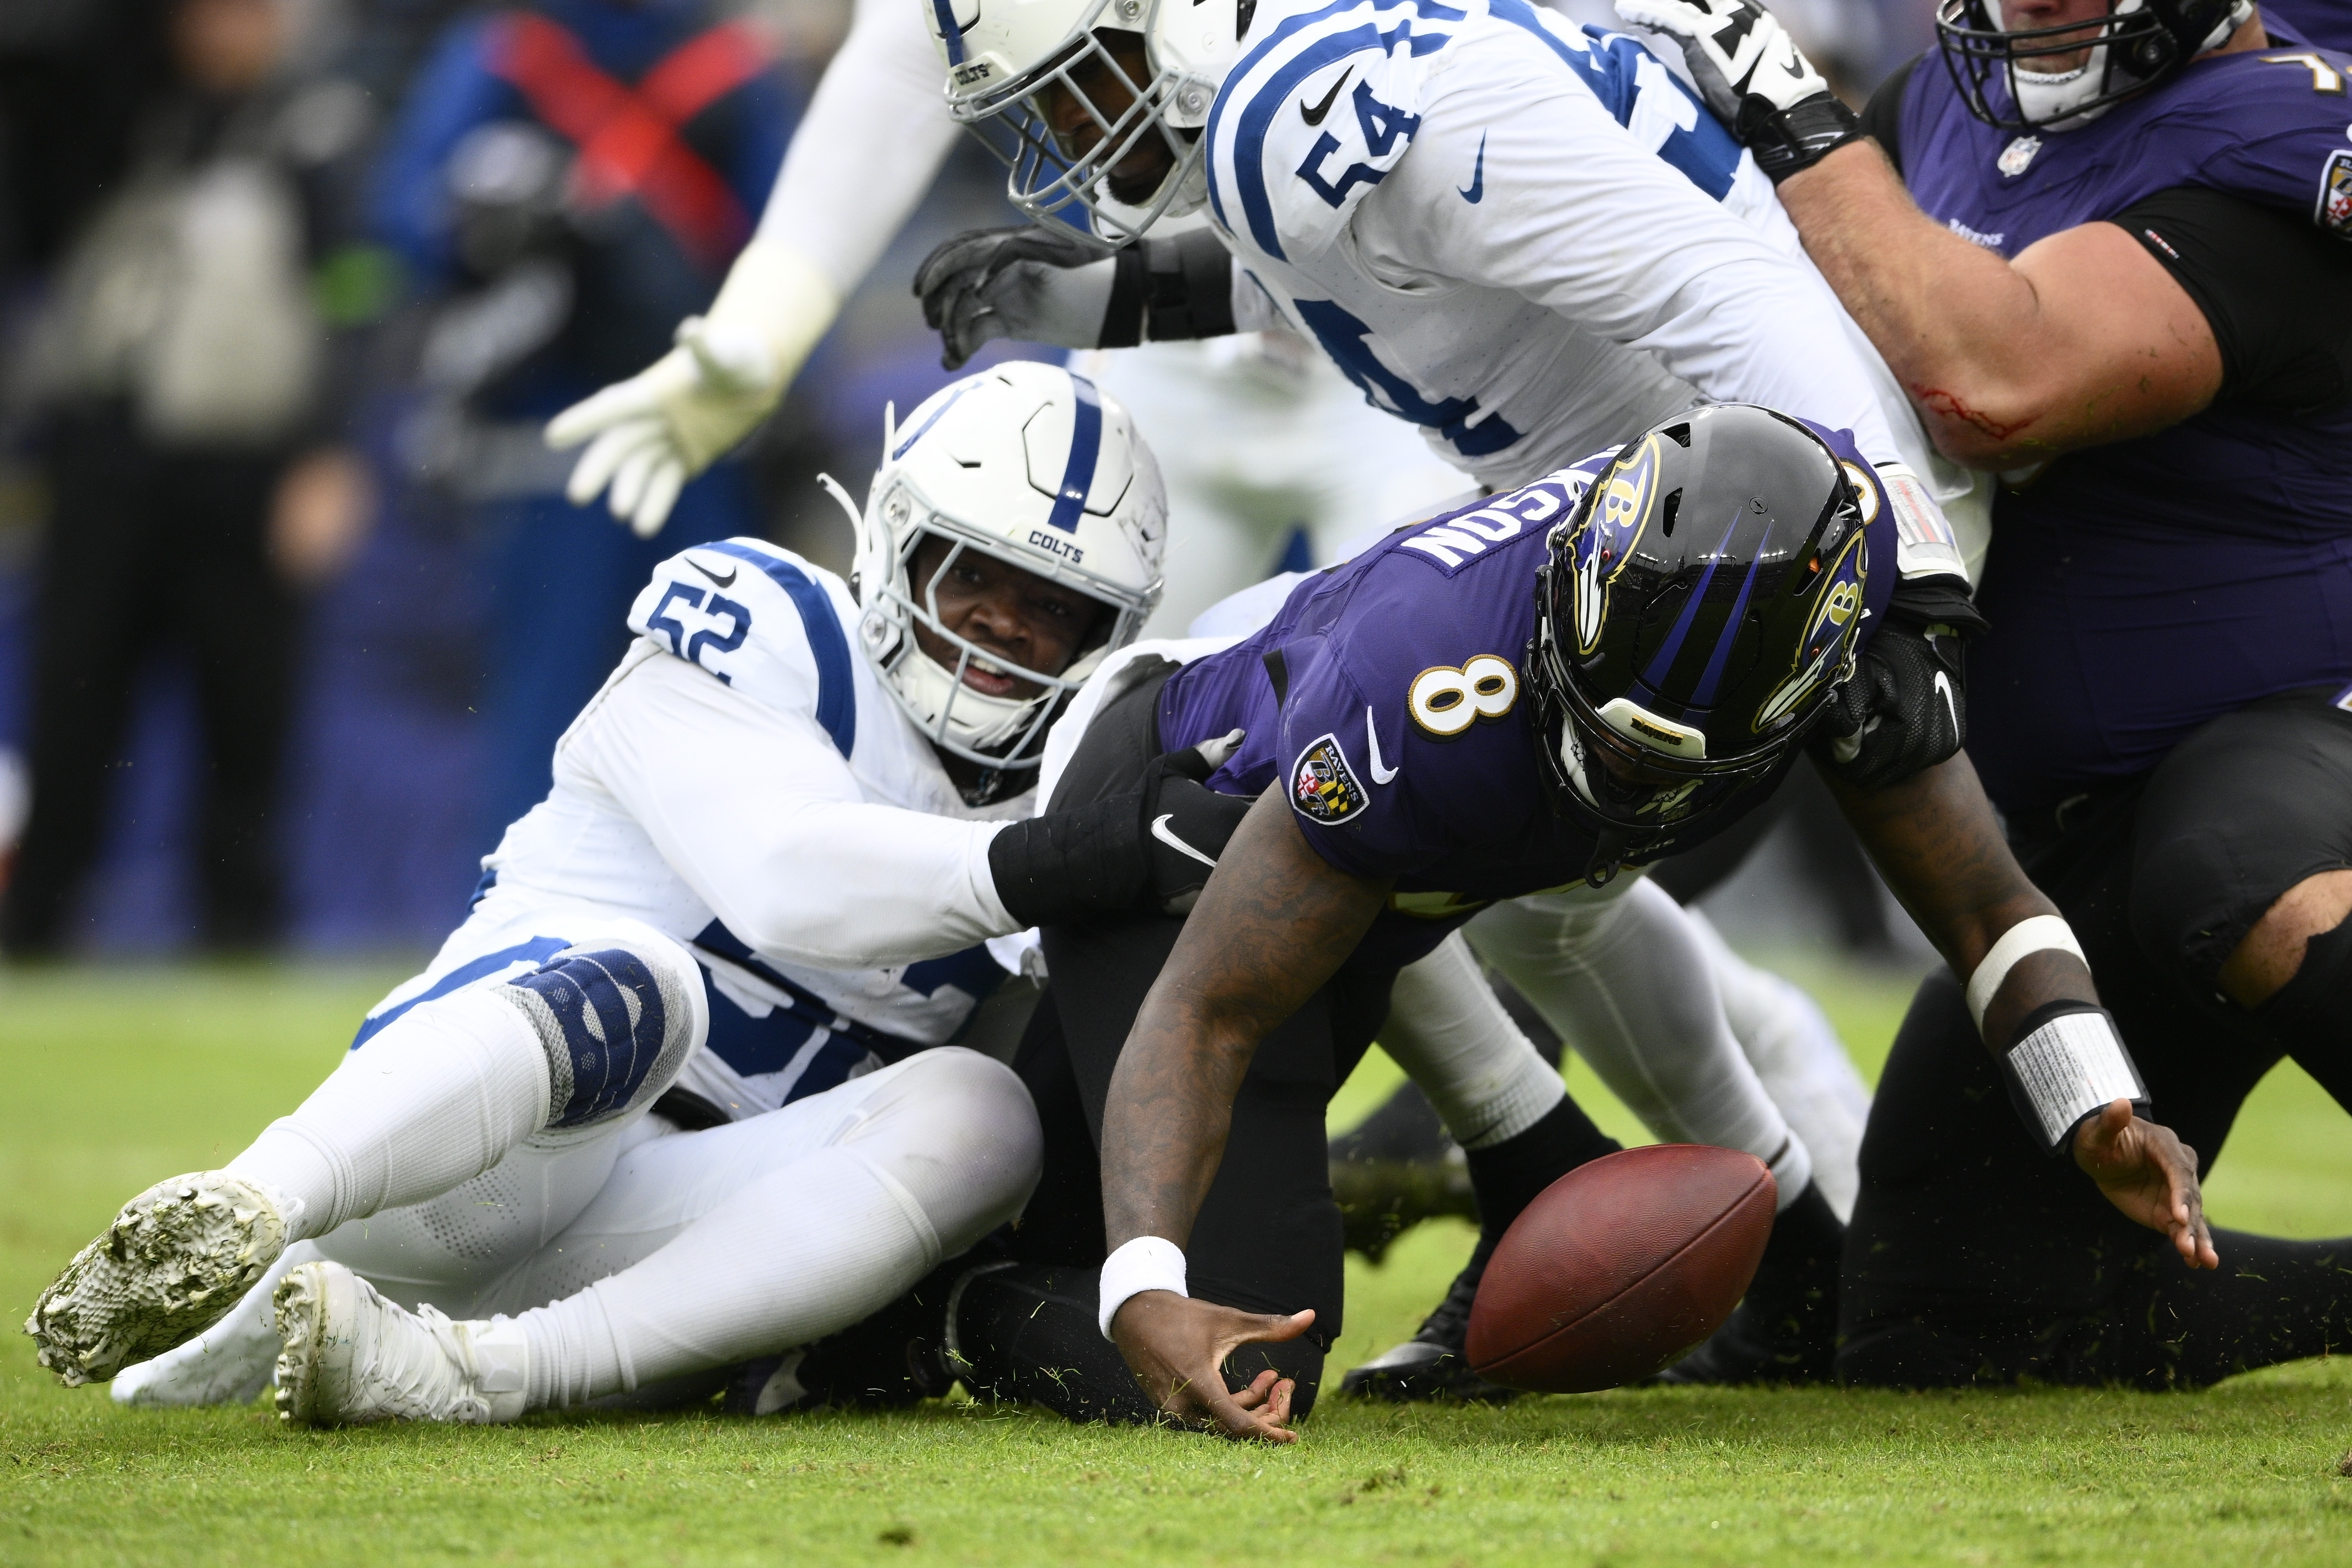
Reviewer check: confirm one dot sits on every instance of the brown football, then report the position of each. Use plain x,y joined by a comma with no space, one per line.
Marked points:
1619,1266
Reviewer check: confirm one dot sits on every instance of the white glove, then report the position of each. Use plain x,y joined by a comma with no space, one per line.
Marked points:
1753,79
672,419
1733,48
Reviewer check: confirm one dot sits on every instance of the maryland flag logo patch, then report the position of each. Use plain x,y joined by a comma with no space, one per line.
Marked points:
2336,195
1323,787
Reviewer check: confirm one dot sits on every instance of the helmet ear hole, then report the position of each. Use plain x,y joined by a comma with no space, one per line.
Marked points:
1680,435
1668,509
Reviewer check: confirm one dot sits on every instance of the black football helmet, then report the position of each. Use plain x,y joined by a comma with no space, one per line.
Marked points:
2138,44
1692,615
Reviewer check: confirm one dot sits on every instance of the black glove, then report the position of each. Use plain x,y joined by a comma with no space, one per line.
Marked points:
1039,283
1149,849
1905,706
1187,824
1753,79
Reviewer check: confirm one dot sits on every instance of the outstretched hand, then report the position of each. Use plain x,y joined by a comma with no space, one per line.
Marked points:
1177,1347
2149,1173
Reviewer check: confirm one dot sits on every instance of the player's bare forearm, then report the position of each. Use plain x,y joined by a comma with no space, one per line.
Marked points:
1935,839
1274,923
2083,340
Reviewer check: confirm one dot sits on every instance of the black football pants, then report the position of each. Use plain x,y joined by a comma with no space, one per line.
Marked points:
1975,1256
1267,1238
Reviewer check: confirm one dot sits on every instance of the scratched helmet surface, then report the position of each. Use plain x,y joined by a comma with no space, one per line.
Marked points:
1033,466
1693,612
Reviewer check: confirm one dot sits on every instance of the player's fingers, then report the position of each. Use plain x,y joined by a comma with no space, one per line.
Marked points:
605,455
1254,1426
1277,1409
1260,1389
629,480
599,411
668,477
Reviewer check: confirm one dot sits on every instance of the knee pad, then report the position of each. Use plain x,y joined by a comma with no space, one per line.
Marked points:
618,1017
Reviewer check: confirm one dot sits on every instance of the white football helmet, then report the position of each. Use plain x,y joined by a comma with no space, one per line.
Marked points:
1002,54
1031,464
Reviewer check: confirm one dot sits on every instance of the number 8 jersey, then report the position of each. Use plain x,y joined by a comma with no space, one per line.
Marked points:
1387,700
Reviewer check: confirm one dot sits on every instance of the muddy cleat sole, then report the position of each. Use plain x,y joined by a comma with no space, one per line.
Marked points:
349,1358
177,1257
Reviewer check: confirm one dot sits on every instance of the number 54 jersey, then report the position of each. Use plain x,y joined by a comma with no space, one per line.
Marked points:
1530,240
1387,700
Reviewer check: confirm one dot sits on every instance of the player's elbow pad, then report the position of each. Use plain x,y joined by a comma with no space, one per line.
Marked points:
1165,290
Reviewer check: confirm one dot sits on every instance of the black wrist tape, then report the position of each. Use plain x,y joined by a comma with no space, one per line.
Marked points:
1787,140
1057,868
1168,291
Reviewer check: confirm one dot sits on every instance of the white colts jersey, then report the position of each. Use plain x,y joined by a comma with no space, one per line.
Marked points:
1529,239
743,783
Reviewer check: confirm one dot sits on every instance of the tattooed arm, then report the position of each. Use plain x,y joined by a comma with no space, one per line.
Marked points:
1274,922
1935,839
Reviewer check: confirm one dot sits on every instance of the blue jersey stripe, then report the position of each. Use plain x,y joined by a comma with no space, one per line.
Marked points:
836,683
1707,154
1086,450
1258,115
538,950
1240,72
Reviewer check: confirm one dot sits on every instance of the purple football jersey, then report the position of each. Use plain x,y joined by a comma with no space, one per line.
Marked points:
2140,590
1457,820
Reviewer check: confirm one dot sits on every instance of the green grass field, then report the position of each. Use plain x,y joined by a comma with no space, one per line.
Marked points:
114,1080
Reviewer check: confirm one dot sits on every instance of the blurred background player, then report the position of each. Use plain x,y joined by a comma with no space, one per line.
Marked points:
181,367
590,168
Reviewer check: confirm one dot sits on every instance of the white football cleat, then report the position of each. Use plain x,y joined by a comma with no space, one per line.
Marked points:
228,1363
177,1257
350,1357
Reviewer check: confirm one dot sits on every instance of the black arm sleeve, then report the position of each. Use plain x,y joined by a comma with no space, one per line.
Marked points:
2275,289
1167,289
1882,117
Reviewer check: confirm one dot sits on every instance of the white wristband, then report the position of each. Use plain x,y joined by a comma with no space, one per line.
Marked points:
2070,1068
1146,1263
2037,934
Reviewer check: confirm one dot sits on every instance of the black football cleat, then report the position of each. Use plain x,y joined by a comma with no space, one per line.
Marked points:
1396,1168
1433,1364
895,1358
1785,1329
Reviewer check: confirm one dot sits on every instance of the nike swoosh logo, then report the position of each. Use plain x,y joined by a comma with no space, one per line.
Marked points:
1373,739
1315,116
1159,831
726,582
1945,687
1477,190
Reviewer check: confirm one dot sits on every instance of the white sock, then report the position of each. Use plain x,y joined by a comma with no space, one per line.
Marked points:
1627,983
435,1099
1796,1051
1450,1036
798,1254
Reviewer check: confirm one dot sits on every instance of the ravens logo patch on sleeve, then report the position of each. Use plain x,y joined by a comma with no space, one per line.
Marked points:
1323,787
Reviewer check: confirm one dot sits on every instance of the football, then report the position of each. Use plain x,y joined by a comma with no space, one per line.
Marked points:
1619,1266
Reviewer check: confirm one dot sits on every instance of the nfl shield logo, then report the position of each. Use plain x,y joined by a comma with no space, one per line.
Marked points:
2015,157
2336,193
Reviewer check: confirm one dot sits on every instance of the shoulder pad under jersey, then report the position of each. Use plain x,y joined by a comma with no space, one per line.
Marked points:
760,619
2277,124
1316,113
